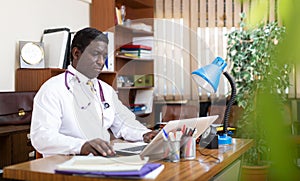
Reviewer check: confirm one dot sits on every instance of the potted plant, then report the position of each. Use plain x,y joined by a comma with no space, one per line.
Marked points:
251,53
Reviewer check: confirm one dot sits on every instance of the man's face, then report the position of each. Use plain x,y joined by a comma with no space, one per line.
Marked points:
92,59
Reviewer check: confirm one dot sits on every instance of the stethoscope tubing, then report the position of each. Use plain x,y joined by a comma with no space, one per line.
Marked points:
105,104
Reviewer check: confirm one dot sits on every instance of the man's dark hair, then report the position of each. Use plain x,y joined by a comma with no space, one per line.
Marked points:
84,37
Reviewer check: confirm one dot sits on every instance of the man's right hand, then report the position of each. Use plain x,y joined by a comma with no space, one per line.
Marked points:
97,147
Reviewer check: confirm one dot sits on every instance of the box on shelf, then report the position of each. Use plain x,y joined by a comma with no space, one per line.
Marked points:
143,80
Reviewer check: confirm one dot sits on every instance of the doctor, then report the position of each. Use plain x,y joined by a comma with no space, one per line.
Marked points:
73,111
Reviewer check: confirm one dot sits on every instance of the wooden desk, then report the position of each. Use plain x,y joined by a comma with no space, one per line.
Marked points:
203,168
14,144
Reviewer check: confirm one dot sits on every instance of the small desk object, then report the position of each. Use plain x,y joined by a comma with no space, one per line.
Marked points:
202,168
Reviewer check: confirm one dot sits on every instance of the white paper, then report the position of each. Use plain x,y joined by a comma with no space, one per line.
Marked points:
55,45
99,163
145,97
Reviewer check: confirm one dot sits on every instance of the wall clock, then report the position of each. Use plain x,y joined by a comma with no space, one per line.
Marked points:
31,54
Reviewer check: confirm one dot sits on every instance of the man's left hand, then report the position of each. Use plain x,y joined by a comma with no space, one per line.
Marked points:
149,136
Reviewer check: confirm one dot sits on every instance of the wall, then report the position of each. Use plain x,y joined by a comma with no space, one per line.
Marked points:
25,20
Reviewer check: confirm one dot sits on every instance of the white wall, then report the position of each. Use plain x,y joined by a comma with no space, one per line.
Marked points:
25,20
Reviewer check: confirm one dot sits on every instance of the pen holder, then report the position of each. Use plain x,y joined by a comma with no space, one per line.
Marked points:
171,151
188,148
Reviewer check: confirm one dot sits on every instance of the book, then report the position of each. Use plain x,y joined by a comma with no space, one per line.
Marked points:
135,47
137,51
118,16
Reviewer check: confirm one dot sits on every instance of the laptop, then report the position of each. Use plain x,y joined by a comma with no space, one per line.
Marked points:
154,149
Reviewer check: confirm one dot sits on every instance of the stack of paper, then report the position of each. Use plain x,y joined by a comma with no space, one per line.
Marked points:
125,167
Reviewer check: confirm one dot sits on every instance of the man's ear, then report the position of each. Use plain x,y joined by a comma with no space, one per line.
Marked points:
76,53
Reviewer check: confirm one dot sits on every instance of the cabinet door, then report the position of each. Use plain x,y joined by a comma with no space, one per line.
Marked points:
32,79
20,147
103,14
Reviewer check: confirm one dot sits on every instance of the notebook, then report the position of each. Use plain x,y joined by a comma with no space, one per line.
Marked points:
117,167
153,150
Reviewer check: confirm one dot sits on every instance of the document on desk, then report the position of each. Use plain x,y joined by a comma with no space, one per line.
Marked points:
104,164
117,167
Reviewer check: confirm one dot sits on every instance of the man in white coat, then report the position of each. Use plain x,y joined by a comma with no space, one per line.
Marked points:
73,111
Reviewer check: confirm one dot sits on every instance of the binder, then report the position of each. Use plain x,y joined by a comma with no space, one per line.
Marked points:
110,59
57,47
149,170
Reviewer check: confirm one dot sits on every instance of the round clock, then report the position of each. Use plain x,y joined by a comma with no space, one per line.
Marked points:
32,53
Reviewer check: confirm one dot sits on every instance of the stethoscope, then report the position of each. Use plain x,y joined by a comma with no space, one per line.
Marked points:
104,103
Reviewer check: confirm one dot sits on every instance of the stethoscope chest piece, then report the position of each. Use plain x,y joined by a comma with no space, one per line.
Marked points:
105,105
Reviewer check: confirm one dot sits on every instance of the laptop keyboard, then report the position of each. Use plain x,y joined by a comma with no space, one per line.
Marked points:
136,148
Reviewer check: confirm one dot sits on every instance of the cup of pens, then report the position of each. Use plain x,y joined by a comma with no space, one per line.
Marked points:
188,143
171,146
188,147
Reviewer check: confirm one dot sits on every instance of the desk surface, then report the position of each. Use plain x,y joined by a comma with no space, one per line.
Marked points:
204,167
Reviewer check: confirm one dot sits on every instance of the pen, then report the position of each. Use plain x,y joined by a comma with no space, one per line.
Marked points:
178,135
165,134
171,136
186,132
192,133
183,129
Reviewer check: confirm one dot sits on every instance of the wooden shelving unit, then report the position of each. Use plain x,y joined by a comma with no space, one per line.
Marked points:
32,79
138,11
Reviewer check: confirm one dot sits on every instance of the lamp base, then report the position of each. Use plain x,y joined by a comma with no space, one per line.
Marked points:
224,139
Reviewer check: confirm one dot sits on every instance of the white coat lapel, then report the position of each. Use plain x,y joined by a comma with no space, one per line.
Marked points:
88,115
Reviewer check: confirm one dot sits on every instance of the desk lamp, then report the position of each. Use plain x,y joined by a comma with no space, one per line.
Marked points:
208,78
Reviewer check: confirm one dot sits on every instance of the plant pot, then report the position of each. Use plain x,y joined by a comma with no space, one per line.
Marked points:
254,173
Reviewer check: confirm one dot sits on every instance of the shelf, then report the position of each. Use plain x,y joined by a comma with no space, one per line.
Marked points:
134,88
141,114
136,32
137,4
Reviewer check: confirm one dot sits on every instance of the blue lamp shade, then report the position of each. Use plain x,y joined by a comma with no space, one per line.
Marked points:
208,77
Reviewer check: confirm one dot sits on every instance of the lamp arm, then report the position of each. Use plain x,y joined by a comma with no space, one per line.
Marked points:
231,101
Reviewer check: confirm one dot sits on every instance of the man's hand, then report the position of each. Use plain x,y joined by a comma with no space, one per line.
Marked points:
149,136
97,147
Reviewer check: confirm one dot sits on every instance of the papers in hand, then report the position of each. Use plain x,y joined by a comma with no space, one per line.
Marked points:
103,164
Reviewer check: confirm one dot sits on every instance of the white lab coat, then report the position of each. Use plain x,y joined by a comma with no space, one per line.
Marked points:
58,119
